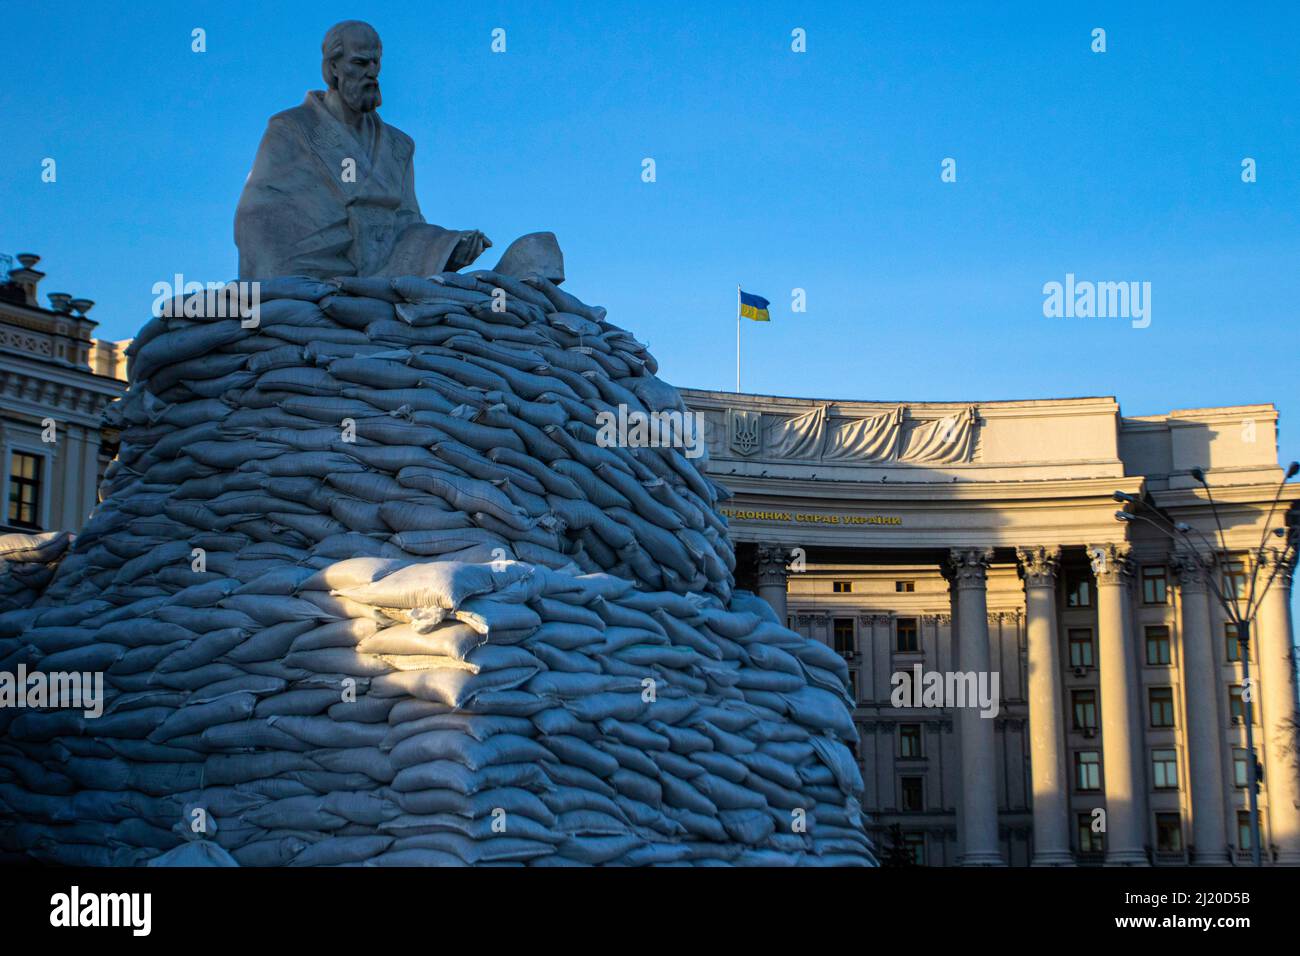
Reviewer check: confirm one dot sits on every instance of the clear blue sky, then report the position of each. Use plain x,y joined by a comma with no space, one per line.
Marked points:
775,169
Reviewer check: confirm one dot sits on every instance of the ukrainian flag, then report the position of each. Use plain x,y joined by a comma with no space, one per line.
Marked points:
754,307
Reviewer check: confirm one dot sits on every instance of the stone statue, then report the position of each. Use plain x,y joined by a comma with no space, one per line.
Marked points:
332,191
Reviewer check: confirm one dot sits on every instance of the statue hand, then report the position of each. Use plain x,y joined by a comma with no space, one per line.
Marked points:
470,247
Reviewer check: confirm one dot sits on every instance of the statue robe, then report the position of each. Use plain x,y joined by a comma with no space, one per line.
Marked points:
298,216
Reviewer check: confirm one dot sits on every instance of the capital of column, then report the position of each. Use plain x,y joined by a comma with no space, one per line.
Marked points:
968,567
1191,570
1111,563
1284,560
1039,565
772,561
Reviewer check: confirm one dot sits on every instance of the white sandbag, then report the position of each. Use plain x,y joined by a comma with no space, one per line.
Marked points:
442,584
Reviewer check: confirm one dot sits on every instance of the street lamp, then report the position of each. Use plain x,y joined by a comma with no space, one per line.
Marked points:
1181,533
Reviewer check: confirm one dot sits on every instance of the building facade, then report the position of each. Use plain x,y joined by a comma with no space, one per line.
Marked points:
55,380
950,539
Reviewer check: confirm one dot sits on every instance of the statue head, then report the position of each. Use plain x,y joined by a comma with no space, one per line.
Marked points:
350,55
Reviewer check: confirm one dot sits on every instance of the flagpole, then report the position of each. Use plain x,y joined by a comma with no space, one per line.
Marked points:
737,336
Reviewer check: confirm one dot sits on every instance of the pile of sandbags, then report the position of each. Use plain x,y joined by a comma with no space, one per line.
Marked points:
27,564
366,589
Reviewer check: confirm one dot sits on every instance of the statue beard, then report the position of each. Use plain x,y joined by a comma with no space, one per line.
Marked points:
361,95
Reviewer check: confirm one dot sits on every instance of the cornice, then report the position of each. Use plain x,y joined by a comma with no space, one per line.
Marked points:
32,367
1251,493
789,404
82,397
1050,491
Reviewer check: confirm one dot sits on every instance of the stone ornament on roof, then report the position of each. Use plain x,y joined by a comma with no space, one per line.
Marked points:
892,436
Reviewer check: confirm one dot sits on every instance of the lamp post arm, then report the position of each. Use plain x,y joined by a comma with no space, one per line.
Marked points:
1286,556
1185,542
1155,524
1223,541
1272,509
1230,608
1159,513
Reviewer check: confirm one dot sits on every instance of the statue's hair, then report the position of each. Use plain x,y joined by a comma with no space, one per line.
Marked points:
331,47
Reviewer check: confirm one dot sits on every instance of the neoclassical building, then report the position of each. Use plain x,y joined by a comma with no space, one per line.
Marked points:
958,538
55,380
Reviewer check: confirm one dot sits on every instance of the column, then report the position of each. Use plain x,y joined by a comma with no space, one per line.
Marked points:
881,652
772,574
1204,731
979,802
866,660
949,572
1277,685
90,474
1039,567
871,757
67,471
1126,805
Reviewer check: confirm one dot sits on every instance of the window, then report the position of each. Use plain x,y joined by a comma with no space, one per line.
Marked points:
1231,646
1157,644
842,632
1080,647
1169,833
1085,709
1078,589
1244,841
1155,585
1087,770
842,587
1161,702
1235,580
908,635
1164,769
914,844
1240,769
25,490
913,793
1090,841
904,587
853,684
909,741
1236,704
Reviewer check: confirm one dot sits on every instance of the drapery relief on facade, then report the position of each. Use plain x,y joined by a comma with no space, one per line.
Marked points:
820,435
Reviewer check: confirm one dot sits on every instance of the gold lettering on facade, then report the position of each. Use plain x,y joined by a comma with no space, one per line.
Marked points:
806,518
